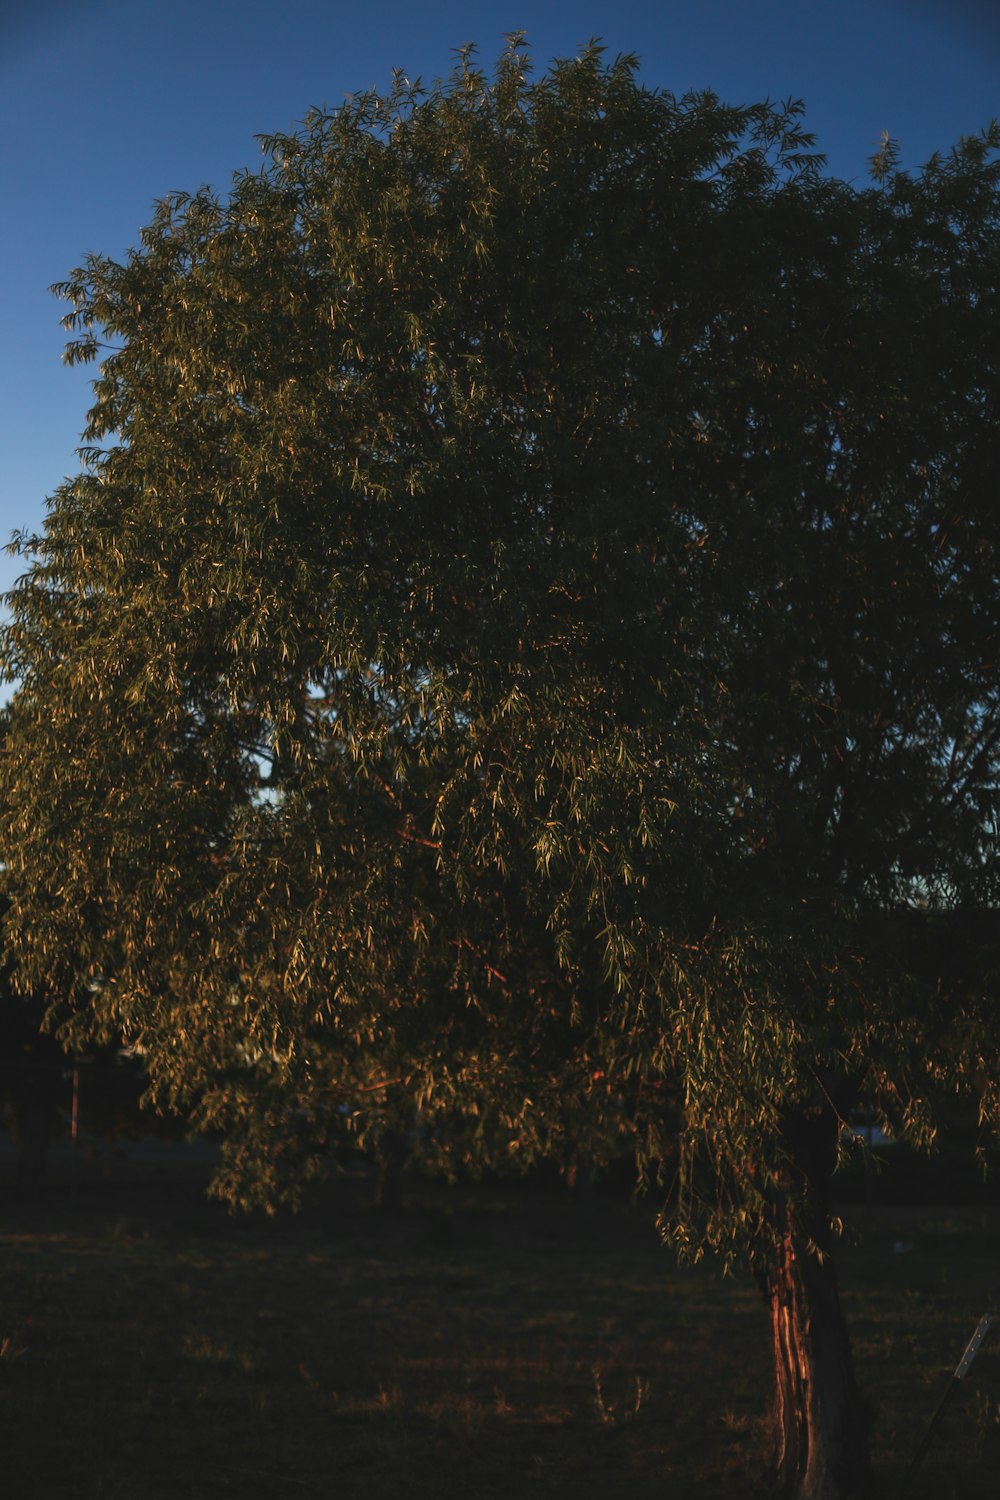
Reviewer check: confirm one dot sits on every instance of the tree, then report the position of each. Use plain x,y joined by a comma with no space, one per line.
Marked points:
522,648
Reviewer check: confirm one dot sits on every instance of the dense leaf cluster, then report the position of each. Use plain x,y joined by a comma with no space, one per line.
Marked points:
525,630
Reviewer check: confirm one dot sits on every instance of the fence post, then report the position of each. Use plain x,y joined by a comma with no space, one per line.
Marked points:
74,1130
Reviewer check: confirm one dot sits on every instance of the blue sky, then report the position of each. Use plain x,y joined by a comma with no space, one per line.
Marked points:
106,106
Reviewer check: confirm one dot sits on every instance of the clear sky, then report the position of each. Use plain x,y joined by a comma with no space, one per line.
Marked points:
106,106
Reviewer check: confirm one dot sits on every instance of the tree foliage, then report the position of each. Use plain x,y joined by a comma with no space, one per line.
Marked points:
522,645
533,572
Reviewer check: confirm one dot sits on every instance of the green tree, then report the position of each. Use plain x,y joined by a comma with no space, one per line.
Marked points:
522,648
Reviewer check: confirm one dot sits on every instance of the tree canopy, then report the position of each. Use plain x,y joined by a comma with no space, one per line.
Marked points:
522,646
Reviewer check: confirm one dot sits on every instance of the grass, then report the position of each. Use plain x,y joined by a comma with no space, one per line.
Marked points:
479,1344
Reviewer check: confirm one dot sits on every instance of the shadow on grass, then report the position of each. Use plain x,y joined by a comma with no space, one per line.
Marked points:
480,1343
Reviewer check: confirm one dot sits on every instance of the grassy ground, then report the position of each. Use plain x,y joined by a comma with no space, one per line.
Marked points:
493,1344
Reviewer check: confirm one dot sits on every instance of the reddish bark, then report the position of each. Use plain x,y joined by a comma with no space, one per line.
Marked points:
818,1421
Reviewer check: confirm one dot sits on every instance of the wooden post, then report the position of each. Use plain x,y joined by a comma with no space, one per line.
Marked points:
74,1130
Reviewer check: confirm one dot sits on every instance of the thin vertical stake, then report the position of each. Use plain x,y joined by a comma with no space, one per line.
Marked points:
74,1129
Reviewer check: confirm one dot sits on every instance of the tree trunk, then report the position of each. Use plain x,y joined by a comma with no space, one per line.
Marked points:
818,1422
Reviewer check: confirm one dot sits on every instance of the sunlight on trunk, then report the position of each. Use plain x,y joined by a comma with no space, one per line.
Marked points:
818,1424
